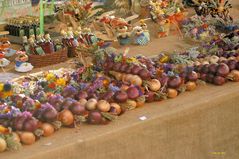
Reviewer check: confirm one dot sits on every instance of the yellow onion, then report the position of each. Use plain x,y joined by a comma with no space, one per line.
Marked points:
48,129
3,145
66,117
154,85
172,93
103,106
234,75
16,137
115,108
27,138
136,80
91,104
128,78
190,86
83,101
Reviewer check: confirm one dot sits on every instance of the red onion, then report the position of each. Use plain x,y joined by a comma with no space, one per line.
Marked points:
223,70
218,80
120,96
144,74
150,96
132,92
135,70
232,64
174,82
95,117
209,78
192,76
213,68
77,109
81,95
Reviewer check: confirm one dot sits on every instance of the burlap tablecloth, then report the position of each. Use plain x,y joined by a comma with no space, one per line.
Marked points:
203,124
197,125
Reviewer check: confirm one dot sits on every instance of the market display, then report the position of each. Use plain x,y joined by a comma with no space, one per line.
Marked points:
108,83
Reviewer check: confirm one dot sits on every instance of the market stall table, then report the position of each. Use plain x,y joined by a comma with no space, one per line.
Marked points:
199,125
196,125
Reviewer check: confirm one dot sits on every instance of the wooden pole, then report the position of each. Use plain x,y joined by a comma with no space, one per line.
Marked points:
41,17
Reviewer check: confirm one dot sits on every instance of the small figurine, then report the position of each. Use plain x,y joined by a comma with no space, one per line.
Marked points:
90,37
72,42
42,38
21,62
164,28
39,40
64,39
139,37
32,36
32,46
3,61
80,38
25,45
145,29
58,45
48,46
123,35
5,47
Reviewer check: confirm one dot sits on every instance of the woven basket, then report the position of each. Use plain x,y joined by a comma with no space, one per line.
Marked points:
72,52
48,59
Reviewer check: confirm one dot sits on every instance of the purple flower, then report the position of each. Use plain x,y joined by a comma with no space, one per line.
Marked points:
96,85
83,85
113,88
8,112
25,114
28,105
46,106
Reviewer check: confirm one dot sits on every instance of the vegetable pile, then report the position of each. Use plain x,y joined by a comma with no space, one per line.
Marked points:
37,106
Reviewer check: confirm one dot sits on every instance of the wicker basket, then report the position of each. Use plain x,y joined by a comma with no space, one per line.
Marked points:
72,52
48,59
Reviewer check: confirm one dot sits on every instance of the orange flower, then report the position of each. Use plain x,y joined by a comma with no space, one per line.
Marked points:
52,85
106,82
3,130
38,105
19,104
204,25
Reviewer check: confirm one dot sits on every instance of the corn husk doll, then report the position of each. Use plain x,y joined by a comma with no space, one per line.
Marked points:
3,61
89,37
64,37
72,42
139,38
123,35
48,45
58,45
145,29
164,28
21,62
